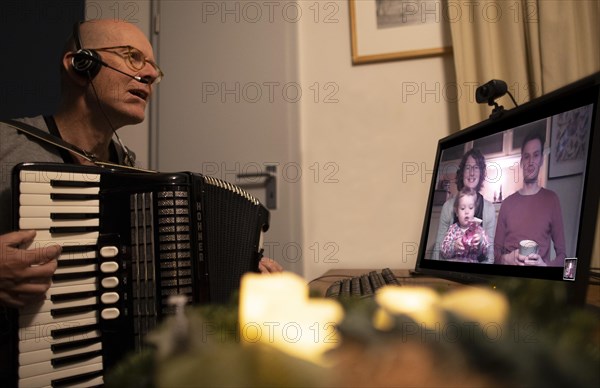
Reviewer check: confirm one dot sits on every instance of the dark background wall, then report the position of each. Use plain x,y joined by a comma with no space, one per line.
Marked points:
32,36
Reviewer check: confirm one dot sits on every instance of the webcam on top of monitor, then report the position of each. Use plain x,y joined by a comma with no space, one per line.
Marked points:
489,92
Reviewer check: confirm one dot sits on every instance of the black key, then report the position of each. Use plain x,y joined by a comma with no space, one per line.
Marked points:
72,276
72,310
73,330
73,229
59,183
61,361
74,344
72,296
75,262
74,216
77,379
73,197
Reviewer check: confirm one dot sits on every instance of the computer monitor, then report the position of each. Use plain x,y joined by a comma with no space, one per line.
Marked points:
535,215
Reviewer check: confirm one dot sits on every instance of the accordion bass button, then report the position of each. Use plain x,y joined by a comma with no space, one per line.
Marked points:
109,297
109,251
110,313
109,267
110,282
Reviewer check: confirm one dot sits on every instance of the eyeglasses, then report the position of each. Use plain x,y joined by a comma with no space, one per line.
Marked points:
471,167
134,58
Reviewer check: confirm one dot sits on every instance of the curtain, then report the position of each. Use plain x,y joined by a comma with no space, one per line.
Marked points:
536,46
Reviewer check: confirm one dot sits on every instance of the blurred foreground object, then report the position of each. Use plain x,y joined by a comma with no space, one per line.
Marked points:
276,310
405,336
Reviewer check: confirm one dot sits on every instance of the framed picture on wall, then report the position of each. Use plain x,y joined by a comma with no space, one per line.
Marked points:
384,30
570,134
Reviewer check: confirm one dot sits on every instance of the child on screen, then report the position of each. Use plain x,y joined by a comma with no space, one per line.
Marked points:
465,240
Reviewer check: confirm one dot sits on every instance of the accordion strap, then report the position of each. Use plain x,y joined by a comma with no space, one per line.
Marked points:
60,143
50,139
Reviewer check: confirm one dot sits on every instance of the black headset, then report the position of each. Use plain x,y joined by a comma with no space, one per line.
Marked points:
85,62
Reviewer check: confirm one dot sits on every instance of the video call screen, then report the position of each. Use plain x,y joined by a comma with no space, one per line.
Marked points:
482,206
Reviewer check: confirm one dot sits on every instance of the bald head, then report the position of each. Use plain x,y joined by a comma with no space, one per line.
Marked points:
111,32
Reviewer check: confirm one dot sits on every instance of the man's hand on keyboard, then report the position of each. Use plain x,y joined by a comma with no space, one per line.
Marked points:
25,275
266,265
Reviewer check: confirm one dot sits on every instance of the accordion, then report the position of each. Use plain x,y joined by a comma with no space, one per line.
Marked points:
129,241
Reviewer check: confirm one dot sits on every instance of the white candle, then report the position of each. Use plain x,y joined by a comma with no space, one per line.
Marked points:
276,310
418,303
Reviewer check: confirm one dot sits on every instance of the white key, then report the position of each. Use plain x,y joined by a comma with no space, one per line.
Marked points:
47,354
44,200
66,242
46,188
77,255
45,369
47,223
38,243
76,269
47,176
69,289
46,211
95,382
45,235
36,338
29,320
75,282
46,381
47,305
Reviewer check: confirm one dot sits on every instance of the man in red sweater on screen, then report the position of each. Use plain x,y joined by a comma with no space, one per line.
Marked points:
531,217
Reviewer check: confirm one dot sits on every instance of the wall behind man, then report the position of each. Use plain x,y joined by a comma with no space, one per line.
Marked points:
368,155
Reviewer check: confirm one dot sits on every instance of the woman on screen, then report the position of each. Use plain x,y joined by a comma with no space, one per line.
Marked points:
471,174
